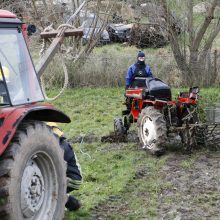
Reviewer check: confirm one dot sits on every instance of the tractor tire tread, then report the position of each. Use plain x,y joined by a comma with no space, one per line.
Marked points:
8,161
119,127
160,125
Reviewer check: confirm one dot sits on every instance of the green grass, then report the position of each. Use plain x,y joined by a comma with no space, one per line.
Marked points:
92,110
120,179
110,173
188,163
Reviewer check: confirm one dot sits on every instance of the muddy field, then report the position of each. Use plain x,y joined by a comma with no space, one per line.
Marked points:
176,186
185,193
194,191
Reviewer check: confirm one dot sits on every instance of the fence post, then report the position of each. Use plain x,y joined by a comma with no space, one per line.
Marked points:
215,64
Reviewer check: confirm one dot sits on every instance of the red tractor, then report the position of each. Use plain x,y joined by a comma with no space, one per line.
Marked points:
32,168
149,104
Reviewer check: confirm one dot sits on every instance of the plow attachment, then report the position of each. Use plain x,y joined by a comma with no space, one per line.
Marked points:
206,135
201,134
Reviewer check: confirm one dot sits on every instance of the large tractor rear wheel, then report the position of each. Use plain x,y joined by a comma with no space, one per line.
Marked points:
33,175
152,130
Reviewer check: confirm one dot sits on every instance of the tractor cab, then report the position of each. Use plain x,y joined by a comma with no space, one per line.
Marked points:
19,83
32,168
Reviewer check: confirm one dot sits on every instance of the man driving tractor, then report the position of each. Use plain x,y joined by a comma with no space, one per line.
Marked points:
135,74
138,69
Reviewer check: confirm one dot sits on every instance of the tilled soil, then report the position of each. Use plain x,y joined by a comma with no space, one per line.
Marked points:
189,188
193,192
110,138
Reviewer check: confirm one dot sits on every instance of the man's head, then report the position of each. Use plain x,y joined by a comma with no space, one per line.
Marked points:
141,57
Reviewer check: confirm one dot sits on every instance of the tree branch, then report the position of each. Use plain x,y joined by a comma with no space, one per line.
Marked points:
190,22
172,32
205,25
211,38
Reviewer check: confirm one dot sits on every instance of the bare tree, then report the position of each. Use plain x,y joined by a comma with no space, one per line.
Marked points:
72,48
192,48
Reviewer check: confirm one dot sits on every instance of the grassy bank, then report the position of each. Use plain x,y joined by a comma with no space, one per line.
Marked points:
107,66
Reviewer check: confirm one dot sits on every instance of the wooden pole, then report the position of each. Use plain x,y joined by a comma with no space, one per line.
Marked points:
54,47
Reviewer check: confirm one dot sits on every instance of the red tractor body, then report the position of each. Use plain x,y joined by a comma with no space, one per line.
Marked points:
138,101
11,117
149,103
13,112
7,14
32,167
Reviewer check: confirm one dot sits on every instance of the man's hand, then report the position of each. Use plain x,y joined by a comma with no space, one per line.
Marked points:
73,184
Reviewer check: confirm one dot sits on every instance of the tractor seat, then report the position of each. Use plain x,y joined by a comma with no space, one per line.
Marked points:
139,82
159,89
154,87
2,88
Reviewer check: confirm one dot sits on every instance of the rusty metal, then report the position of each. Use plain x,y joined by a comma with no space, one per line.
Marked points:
201,134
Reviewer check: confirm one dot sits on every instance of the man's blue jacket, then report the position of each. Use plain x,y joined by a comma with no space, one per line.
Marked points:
131,71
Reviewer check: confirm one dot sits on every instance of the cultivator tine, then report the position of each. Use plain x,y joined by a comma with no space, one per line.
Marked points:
200,133
212,135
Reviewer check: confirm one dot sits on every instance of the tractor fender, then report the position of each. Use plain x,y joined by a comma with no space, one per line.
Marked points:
11,117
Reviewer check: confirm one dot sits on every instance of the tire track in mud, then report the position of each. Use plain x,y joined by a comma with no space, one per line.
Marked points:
191,188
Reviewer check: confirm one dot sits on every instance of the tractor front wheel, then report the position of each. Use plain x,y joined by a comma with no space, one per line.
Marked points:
33,175
152,130
119,128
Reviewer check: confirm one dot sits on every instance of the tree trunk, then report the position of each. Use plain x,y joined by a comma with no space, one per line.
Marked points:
198,67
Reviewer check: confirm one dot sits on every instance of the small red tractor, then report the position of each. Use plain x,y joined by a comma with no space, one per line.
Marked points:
149,103
32,168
